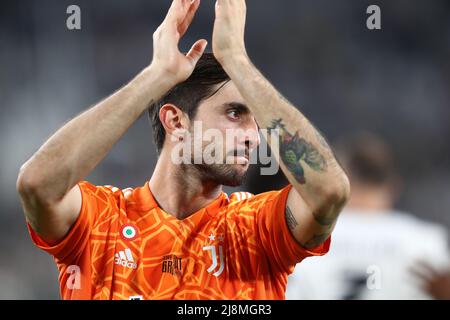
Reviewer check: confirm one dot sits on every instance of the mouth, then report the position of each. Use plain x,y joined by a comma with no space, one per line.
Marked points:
241,153
242,156
242,160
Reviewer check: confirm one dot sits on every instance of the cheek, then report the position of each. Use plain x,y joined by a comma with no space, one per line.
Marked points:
217,130
215,125
209,135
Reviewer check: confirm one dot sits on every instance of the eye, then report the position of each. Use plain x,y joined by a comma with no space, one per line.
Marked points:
233,114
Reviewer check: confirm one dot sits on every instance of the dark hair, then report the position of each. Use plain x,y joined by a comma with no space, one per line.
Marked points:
187,95
368,159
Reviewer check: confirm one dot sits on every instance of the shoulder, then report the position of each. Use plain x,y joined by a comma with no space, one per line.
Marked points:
107,193
417,224
239,196
392,226
244,201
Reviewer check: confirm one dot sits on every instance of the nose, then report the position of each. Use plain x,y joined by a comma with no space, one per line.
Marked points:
252,138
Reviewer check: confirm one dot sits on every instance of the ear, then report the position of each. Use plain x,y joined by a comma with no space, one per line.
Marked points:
174,121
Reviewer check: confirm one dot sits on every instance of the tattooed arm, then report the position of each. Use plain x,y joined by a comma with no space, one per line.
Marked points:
320,186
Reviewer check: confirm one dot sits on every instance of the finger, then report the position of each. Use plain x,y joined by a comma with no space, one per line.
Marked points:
420,274
423,271
197,51
227,3
220,4
178,11
189,17
230,8
428,268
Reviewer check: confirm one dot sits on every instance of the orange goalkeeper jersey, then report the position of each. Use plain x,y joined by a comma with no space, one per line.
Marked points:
123,246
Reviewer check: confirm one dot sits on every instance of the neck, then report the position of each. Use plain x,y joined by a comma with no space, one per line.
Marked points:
371,198
180,190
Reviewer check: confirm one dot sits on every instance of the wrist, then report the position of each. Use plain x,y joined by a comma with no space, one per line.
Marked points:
146,88
161,77
234,62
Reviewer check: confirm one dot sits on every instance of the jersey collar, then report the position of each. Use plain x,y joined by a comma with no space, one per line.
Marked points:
148,201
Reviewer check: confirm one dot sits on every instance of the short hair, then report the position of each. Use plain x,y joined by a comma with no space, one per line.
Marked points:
367,159
187,95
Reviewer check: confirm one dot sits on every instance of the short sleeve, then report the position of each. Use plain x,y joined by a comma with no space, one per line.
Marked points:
277,240
96,201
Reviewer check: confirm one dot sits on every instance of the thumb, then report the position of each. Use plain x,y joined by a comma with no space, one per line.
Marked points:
197,51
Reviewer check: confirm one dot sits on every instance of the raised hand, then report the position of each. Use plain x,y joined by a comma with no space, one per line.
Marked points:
167,58
229,28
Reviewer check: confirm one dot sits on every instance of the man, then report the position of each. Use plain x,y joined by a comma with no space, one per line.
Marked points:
375,247
179,236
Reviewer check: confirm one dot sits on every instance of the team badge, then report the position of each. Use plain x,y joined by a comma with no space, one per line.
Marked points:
129,232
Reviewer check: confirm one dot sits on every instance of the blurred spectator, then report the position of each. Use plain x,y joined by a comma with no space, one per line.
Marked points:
373,246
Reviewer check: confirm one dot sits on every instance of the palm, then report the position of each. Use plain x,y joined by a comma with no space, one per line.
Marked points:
167,36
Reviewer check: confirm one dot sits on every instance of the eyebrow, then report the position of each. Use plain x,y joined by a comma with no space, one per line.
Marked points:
238,106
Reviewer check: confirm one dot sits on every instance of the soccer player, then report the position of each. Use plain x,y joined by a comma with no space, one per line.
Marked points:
179,236
378,252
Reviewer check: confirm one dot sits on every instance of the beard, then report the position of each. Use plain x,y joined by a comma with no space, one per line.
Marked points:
221,172
224,174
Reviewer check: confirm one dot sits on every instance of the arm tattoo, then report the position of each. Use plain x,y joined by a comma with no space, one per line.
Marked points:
294,149
325,220
322,139
316,240
295,152
290,219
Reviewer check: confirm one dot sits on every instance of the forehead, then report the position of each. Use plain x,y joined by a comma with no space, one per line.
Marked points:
226,94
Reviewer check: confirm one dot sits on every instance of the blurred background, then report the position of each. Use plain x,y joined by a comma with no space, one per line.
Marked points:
392,82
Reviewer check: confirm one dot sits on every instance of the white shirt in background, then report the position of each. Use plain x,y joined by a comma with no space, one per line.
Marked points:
370,258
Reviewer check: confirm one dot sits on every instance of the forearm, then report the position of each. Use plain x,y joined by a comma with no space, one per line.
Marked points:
306,159
75,149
